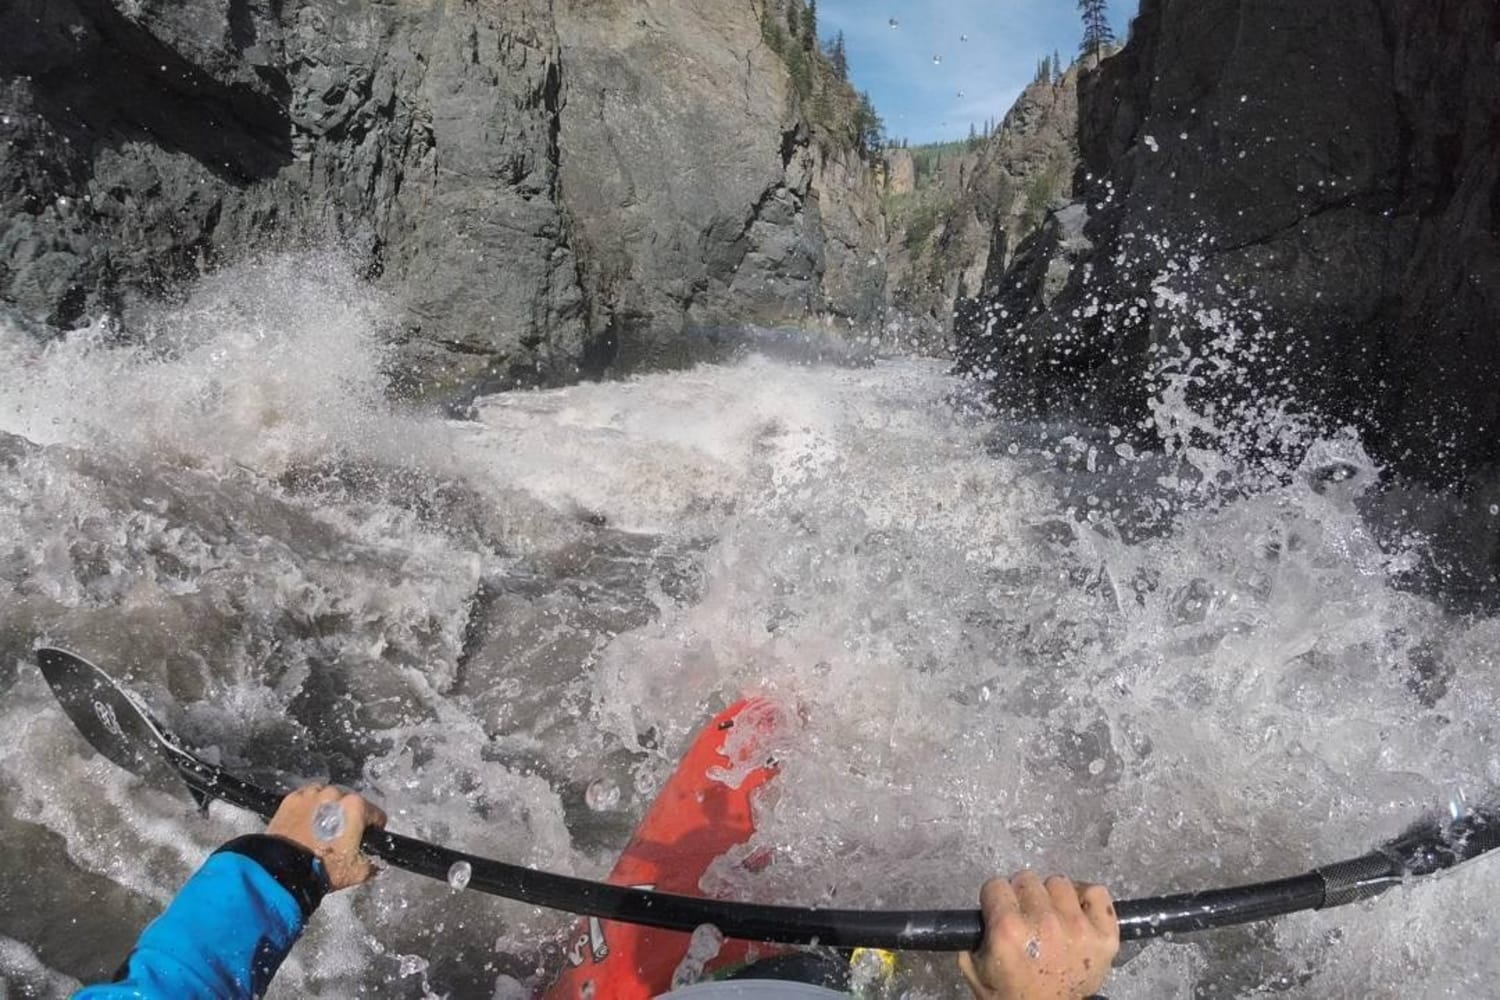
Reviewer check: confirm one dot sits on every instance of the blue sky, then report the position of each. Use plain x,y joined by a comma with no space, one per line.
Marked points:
920,99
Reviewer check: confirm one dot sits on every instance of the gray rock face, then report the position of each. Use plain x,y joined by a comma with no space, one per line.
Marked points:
458,153
987,202
151,140
1327,175
698,199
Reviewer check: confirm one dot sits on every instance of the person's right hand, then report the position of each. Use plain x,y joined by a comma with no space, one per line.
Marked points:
340,855
1052,941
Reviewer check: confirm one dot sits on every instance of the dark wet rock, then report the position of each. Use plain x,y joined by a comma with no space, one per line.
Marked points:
151,141
1325,177
547,189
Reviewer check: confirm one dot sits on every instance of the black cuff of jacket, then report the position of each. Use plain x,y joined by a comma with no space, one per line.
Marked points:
294,867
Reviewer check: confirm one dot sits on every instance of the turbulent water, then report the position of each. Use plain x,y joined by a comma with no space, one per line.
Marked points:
1004,646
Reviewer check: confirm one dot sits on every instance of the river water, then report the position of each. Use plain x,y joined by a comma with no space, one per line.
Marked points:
1005,645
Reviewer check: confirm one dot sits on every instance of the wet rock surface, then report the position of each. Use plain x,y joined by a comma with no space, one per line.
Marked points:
1322,179
539,187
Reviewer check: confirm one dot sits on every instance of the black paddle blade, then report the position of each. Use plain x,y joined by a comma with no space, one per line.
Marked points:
112,719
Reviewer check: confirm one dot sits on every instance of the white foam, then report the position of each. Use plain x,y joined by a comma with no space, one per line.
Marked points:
266,364
987,674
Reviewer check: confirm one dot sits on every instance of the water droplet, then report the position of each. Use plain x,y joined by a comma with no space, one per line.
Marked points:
1458,805
963,38
328,821
602,795
1033,948
869,968
1495,508
704,945
1096,766
894,24
937,60
459,875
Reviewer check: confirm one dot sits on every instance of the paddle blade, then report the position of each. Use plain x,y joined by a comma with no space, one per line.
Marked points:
111,718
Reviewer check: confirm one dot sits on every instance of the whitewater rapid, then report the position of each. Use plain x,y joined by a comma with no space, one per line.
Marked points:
1006,646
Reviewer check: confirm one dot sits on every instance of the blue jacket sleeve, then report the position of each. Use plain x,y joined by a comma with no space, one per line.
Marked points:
229,928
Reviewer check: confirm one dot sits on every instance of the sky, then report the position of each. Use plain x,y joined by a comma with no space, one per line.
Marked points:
978,78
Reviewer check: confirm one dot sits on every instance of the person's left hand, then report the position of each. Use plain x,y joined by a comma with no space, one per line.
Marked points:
340,855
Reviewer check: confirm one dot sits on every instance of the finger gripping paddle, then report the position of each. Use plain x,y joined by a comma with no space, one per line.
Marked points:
119,726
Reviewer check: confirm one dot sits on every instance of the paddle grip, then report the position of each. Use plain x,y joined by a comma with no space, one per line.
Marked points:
1358,878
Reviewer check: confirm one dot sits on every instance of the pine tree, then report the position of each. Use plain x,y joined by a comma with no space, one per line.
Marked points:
793,17
869,130
798,64
810,25
838,57
1057,67
1097,34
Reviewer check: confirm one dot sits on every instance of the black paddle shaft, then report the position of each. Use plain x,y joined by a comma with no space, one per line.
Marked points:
118,725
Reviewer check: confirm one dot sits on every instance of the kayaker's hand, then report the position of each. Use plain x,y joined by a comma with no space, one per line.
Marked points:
294,821
1052,941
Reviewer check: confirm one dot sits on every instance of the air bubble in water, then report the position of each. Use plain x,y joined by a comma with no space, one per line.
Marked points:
869,968
459,875
1458,805
412,965
328,821
602,795
1495,508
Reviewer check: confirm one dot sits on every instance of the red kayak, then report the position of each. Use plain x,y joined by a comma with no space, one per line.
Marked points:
702,812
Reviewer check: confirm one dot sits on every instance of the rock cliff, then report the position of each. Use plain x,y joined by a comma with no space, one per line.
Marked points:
1323,178
546,188
699,199
980,203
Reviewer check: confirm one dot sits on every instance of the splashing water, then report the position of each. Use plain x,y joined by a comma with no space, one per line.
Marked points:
704,944
1001,644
